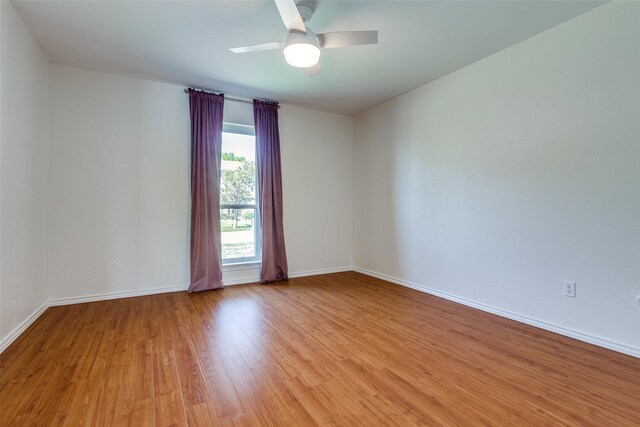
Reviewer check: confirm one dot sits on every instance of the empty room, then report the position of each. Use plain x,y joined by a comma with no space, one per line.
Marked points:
320,213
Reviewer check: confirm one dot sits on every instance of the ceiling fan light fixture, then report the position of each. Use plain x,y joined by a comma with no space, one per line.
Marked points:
302,55
302,50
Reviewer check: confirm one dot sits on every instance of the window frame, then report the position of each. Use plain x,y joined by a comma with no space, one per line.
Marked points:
241,129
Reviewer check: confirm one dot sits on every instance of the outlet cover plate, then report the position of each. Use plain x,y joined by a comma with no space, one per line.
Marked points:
569,289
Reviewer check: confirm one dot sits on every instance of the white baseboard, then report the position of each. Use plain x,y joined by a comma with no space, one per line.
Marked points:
13,335
115,295
256,279
243,281
581,336
320,271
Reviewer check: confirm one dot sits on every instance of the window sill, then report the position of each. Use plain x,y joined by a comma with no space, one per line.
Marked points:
241,265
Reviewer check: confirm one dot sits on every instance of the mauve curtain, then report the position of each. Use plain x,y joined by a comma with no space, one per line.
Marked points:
206,147
274,255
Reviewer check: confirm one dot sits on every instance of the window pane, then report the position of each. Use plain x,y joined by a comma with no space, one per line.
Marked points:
237,190
238,233
238,185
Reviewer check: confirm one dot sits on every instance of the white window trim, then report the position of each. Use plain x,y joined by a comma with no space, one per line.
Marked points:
238,128
246,265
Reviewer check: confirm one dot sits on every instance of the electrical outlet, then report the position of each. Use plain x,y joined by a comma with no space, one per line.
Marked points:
638,299
569,289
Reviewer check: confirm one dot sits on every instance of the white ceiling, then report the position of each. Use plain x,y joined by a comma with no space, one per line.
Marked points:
188,43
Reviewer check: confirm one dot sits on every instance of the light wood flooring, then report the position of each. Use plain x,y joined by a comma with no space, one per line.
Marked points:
339,349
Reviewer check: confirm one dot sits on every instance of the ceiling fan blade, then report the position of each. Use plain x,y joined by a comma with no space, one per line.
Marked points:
313,70
258,47
290,15
347,38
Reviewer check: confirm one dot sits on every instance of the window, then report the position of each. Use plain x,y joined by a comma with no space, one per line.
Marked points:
239,218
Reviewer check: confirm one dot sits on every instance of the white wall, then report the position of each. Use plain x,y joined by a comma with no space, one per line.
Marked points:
118,184
118,192
317,175
23,139
499,181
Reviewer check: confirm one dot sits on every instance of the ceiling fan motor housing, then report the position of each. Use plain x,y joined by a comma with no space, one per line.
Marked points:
306,12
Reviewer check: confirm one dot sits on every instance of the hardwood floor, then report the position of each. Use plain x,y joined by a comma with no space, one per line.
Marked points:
338,349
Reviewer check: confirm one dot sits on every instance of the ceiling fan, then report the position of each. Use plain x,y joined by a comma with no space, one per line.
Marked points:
302,46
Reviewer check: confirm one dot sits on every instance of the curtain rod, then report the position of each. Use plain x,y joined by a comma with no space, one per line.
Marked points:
230,98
